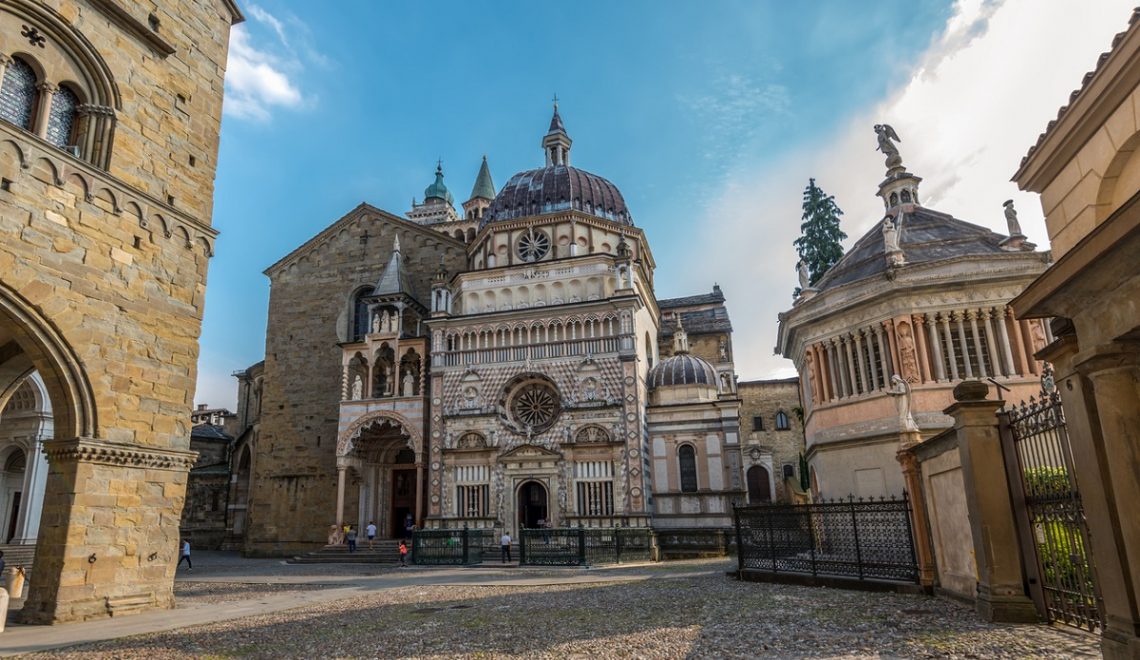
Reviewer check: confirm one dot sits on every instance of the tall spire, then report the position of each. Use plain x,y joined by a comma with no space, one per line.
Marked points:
484,188
557,141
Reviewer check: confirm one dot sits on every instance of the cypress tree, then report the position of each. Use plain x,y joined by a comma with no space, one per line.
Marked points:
819,246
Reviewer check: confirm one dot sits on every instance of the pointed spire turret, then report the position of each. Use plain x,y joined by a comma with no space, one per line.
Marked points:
394,280
680,338
484,188
557,141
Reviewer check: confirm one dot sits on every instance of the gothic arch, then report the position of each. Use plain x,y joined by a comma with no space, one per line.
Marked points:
73,401
344,444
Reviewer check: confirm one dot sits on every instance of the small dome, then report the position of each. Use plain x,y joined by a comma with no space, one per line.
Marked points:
437,190
681,369
558,188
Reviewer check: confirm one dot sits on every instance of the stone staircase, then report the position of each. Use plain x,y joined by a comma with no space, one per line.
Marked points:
386,551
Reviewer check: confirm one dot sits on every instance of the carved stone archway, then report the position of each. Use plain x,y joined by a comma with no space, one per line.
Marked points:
345,443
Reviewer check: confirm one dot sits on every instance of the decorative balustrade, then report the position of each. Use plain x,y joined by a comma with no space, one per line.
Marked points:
541,351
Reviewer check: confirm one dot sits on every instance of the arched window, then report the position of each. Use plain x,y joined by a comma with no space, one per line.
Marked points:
61,117
360,315
18,94
782,421
687,463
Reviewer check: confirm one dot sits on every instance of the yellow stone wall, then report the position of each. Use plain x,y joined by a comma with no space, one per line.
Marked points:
113,263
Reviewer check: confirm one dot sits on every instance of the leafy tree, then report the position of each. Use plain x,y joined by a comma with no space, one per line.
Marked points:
819,247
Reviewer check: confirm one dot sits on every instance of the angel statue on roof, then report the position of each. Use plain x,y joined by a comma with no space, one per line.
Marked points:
887,138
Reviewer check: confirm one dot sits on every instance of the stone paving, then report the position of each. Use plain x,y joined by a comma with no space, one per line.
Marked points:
681,609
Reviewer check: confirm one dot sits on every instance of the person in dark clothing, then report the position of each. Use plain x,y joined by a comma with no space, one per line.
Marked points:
185,556
351,539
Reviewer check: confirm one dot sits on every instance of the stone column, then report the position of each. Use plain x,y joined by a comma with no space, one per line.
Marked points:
923,548
1018,343
847,341
995,359
1027,345
953,361
884,356
1001,593
893,344
963,344
1003,336
340,469
43,111
920,345
973,318
419,494
935,348
1113,369
836,372
862,361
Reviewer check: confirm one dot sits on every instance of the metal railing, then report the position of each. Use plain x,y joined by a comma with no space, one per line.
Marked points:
1051,519
852,538
455,547
582,546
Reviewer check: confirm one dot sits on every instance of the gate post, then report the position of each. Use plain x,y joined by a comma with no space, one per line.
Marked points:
581,545
1001,582
920,526
466,546
1021,514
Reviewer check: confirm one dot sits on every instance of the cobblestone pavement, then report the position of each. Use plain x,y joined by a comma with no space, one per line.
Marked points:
681,610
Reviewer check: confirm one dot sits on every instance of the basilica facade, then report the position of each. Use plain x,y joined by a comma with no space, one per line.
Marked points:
504,368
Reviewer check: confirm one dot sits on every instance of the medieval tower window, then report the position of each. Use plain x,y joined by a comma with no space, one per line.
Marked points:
18,94
360,315
782,421
758,423
687,465
61,118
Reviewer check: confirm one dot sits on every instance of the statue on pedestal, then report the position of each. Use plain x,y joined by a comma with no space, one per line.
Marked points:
890,235
1011,219
885,135
805,278
375,323
409,384
900,389
357,388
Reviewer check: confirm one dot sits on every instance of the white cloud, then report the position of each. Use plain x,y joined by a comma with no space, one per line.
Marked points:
967,113
728,112
259,80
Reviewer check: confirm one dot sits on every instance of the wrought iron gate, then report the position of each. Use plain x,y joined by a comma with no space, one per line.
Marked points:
1047,503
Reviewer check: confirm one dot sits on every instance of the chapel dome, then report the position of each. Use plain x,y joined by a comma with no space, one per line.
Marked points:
557,187
437,190
681,369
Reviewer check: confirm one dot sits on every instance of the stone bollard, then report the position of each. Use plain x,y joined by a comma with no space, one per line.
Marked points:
3,608
14,581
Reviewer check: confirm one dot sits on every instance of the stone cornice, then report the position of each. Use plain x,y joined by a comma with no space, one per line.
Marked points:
102,452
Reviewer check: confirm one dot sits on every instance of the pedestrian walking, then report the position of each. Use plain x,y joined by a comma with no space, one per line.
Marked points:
185,556
370,531
403,553
351,538
505,545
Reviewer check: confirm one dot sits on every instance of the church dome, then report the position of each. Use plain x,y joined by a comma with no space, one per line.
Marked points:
437,190
558,188
681,369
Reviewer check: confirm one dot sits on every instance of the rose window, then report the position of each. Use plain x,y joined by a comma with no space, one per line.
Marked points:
533,245
535,406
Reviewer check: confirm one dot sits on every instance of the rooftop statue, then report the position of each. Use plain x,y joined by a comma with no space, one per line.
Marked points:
886,134
805,279
1011,219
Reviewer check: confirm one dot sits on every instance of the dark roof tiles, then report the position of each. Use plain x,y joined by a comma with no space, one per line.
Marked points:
557,188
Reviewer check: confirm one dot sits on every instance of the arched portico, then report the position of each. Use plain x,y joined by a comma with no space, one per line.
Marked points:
381,451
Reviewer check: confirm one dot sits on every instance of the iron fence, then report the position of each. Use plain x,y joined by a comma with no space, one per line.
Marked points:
852,538
583,546
449,546
1051,518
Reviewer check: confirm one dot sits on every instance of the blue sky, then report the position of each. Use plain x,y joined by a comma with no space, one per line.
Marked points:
709,117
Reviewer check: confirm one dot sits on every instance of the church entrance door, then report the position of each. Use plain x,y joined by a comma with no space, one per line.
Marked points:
403,501
531,504
759,490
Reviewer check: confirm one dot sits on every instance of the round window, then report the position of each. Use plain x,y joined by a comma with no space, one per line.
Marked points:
533,245
533,406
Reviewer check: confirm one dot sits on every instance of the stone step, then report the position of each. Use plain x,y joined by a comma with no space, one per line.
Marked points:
382,552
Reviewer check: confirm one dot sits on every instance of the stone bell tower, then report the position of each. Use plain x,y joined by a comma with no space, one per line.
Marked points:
110,119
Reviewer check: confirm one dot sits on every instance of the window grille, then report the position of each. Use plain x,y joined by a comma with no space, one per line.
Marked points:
61,117
472,500
595,487
687,462
18,94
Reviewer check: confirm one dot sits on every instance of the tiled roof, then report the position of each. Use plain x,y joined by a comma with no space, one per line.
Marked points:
699,322
925,236
692,301
1132,23
209,432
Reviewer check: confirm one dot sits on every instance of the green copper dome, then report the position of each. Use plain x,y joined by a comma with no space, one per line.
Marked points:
437,190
